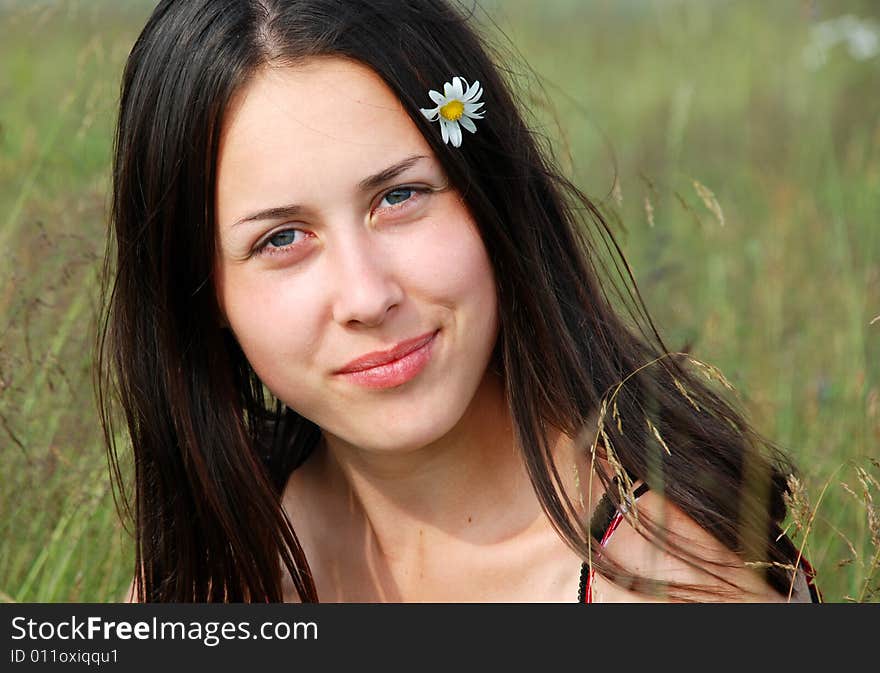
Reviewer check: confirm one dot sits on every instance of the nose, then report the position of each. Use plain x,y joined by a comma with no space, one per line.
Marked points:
366,287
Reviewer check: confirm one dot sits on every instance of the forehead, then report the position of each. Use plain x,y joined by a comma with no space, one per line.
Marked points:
293,127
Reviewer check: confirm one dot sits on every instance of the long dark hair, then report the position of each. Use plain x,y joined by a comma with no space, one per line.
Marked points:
212,451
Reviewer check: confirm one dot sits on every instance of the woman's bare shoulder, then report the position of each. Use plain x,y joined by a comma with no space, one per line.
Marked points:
719,570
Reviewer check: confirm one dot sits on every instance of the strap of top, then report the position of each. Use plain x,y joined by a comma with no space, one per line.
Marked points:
605,520
607,517
603,515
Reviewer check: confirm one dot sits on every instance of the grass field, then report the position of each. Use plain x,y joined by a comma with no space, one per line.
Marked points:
737,145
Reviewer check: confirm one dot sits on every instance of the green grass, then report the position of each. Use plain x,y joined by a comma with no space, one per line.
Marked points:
60,63
655,95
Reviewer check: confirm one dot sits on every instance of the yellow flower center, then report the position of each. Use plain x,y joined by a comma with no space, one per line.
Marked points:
453,110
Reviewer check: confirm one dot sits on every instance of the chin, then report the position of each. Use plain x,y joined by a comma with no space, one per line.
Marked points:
399,436
406,428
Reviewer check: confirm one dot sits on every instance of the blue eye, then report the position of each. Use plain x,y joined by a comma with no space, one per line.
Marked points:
398,195
282,238
286,242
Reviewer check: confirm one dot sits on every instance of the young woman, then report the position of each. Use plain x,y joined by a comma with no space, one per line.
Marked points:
360,329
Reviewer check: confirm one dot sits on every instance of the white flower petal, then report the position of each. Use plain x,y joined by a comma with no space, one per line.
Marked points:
472,107
437,97
430,115
448,90
473,90
444,129
455,134
468,124
476,115
457,88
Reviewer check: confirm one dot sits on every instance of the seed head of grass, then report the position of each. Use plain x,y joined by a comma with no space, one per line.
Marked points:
685,394
870,486
798,504
657,435
710,201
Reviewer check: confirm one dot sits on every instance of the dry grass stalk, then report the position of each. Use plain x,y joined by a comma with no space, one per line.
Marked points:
709,371
798,505
710,201
685,394
712,373
649,210
770,564
807,527
793,569
616,414
868,484
624,483
656,432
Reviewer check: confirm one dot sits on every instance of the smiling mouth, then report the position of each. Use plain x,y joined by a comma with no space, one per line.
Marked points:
377,371
380,358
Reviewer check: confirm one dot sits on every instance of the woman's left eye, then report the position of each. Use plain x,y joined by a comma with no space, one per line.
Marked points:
396,196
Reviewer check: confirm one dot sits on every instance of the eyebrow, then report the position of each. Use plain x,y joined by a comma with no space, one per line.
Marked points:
367,184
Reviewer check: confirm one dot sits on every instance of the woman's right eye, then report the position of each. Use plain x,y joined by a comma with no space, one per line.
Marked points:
280,241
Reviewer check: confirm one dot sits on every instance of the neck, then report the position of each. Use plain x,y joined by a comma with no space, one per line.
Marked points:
456,485
405,517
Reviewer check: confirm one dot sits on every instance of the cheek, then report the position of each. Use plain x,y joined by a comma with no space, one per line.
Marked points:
452,264
275,325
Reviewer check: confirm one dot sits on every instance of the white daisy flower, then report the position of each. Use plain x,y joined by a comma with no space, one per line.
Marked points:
456,108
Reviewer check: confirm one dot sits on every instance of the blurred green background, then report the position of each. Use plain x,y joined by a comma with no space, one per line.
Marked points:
734,144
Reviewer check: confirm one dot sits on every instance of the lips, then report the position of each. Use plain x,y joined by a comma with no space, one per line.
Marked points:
379,358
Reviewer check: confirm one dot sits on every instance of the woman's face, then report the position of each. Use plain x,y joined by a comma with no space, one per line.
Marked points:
338,238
